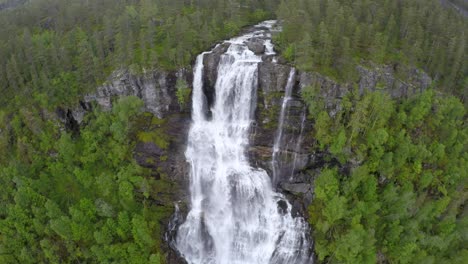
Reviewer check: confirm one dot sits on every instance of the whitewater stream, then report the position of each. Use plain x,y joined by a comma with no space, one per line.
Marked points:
235,216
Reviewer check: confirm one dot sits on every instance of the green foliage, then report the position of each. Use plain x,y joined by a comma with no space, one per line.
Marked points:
183,93
79,198
402,200
152,129
63,52
333,36
290,53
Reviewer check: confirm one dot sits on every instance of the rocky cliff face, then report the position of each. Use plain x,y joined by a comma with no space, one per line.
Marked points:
157,89
298,164
10,4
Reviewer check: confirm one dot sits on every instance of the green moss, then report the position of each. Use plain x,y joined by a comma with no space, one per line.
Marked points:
271,113
157,121
149,160
149,128
160,139
380,85
182,93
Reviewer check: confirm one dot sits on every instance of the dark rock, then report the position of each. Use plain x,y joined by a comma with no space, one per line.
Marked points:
80,111
282,60
173,257
10,4
282,207
176,220
66,117
329,90
260,156
298,209
296,188
210,71
176,165
268,58
148,154
256,45
272,77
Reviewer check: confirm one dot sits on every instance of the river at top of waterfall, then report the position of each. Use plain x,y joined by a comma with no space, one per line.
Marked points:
236,217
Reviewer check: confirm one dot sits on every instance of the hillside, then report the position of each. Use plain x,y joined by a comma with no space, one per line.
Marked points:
346,119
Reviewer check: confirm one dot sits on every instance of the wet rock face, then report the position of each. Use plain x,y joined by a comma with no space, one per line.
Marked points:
147,154
210,71
294,150
298,165
169,163
272,77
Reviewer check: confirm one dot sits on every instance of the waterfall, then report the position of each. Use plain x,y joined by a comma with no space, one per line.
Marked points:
299,141
235,215
279,133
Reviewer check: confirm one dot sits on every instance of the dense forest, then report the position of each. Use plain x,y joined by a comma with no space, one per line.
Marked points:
334,36
395,189
68,197
60,49
80,197
403,196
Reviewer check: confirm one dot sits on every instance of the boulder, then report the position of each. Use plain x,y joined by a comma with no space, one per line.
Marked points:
256,45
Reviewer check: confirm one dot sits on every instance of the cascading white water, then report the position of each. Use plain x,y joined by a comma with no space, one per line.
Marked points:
279,132
235,215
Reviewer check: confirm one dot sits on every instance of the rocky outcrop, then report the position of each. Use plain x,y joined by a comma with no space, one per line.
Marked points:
210,71
256,45
155,88
10,4
381,78
168,122
272,77
384,78
298,164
